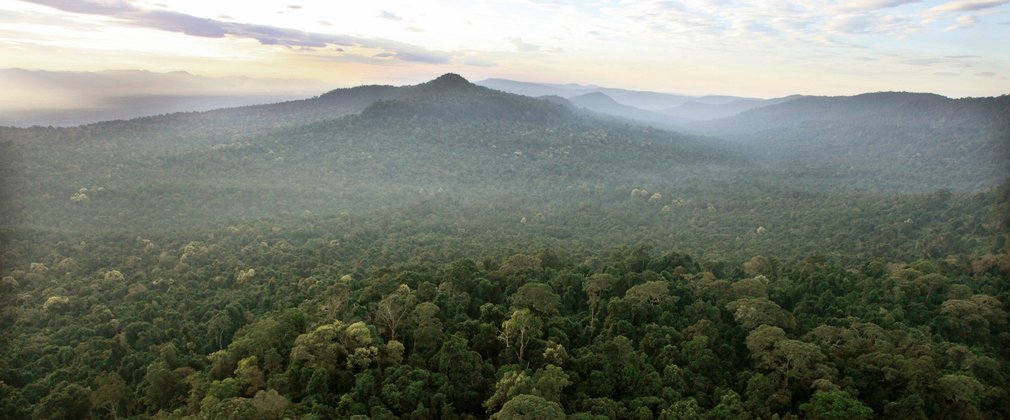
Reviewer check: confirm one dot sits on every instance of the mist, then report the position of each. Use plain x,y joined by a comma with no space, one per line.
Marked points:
38,97
595,249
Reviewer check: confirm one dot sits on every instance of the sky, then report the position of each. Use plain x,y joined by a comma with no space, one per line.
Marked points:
746,48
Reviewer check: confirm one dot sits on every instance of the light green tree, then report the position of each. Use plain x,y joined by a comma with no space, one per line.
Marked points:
519,329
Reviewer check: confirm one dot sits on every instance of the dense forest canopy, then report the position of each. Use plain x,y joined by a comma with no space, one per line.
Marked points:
447,250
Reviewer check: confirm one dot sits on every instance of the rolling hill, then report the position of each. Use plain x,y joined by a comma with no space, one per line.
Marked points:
603,104
896,141
667,103
348,150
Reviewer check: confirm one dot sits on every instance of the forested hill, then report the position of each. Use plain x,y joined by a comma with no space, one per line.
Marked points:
451,98
601,103
474,143
894,141
450,251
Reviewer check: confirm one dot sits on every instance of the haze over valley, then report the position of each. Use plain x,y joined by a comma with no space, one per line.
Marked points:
289,212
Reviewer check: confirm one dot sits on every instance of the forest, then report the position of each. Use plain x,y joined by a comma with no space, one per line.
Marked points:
447,250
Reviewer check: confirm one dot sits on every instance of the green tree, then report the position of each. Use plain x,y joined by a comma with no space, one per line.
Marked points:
651,292
164,388
428,331
464,373
511,384
795,361
683,410
269,404
752,312
729,408
65,401
538,297
549,383
530,407
519,329
393,308
248,372
109,393
595,286
835,405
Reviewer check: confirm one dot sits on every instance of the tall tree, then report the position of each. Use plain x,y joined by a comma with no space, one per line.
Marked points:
393,308
519,329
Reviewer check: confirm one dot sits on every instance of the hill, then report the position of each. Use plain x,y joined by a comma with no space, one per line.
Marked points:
889,140
446,250
355,149
646,100
603,104
702,111
465,150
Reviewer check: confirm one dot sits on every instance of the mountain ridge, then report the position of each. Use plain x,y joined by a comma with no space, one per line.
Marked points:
896,140
602,103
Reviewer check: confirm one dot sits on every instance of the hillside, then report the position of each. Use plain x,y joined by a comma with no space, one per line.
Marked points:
603,104
446,250
702,111
645,100
483,158
889,140
444,135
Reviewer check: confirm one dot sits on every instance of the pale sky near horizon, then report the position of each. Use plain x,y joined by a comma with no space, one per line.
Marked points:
746,48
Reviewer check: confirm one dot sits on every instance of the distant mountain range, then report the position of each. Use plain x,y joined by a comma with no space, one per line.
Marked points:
898,140
35,97
601,103
662,109
56,98
354,149
651,101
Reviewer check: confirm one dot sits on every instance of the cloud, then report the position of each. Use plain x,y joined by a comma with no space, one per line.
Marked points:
934,13
966,6
946,73
294,6
985,74
875,4
962,22
922,61
519,45
87,7
479,62
385,14
943,63
178,22
264,34
420,55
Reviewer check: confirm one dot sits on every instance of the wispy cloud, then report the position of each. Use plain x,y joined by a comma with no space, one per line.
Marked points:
265,34
962,22
961,6
735,23
479,62
385,14
522,46
948,61
967,5
875,4
871,5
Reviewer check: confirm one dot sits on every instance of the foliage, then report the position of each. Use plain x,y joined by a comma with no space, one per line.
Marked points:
375,265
